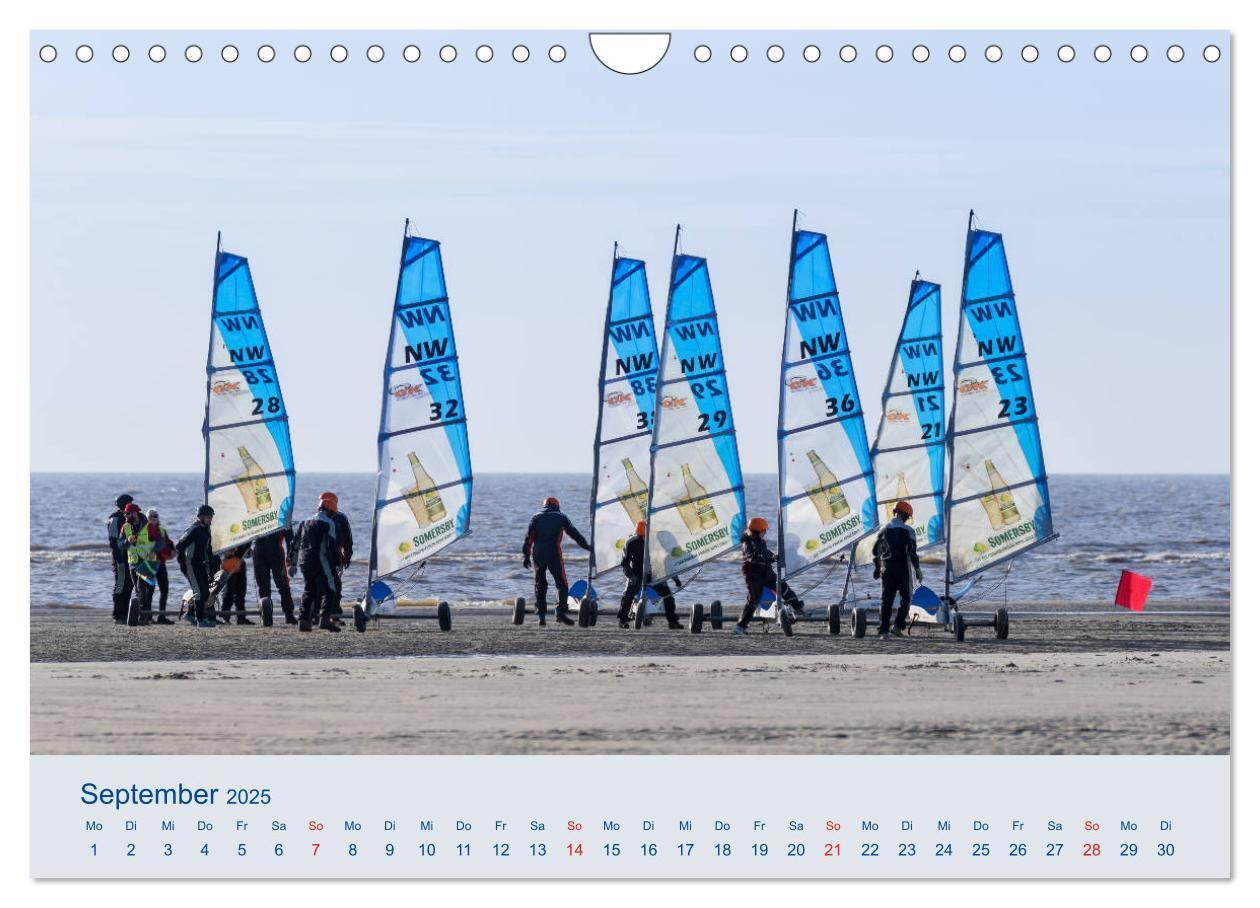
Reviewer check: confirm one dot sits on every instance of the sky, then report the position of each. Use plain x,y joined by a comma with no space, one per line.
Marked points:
1109,181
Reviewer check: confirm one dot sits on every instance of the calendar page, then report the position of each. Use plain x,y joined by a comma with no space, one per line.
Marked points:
681,453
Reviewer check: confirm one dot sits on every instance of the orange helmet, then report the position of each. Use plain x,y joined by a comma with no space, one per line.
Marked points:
640,529
328,500
232,565
551,501
903,508
758,525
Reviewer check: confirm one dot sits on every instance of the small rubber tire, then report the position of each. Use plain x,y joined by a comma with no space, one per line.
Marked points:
786,620
697,618
360,618
583,614
857,623
593,615
444,615
715,614
640,616
267,612
1001,624
960,627
518,611
833,619
133,613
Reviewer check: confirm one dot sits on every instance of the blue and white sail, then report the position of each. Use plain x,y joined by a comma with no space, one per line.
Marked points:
909,452
696,486
627,400
424,474
826,490
999,501
249,474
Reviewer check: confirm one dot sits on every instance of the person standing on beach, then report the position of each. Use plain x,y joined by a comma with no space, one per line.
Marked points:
164,549
270,564
118,558
896,558
345,548
542,547
234,584
192,553
318,556
758,568
632,564
140,540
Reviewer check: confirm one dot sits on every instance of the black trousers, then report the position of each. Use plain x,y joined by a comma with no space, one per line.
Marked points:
757,579
891,587
554,567
317,594
271,567
122,589
163,585
234,589
199,582
144,591
633,586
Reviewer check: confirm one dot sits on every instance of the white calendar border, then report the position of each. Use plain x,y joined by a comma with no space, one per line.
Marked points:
643,14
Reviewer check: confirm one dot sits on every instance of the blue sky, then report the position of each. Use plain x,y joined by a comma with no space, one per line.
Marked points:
1110,182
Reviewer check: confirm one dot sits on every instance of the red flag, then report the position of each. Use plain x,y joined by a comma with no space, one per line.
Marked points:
1132,591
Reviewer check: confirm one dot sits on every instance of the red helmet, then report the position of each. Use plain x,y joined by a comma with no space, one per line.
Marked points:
132,508
551,501
758,525
328,501
640,529
903,508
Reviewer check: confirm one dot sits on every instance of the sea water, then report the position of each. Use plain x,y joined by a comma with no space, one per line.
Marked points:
1105,524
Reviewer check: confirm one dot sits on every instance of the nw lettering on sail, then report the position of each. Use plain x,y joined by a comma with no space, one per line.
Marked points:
247,354
420,316
999,345
810,310
823,343
691,332
639,362
425,350
623,333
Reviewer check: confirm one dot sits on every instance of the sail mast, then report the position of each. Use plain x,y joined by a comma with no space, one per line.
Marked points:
787,319
599,415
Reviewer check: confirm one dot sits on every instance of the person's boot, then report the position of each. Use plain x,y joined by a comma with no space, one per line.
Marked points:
243,619
562,615
288,617
305,623
162,619
327,624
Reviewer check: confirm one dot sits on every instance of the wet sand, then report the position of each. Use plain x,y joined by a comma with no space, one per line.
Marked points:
1104,683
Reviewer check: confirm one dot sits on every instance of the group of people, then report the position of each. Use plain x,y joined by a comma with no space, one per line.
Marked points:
324,545
896,561
140,547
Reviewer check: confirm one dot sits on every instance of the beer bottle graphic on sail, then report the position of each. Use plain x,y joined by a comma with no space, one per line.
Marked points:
634,498
697,511
826,495
999,505
903,492
252,484
423,498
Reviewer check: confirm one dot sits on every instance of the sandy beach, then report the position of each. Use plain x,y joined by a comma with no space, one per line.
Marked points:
1104,683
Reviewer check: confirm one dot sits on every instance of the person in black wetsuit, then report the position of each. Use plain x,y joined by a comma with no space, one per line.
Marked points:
118,557
235,585
632,564
542,547
759,574
192,554
271,564
345,548
896,558
318,556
